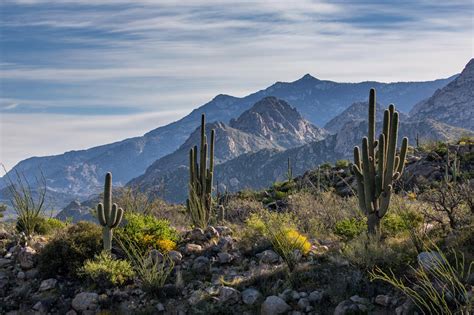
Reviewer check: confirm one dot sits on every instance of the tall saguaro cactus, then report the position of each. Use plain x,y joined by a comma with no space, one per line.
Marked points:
109,214
199,203
377,165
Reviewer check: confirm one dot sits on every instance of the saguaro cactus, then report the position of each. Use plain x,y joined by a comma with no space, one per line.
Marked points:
109,214
199,203
378,165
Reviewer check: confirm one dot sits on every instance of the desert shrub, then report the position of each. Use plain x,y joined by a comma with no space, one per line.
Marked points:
317,214
3,208
151,271
47,226
396,223
280,230
106,271
238,210
367,251
450,205
148,232
441,288
342,164
69,249
350,228
27,202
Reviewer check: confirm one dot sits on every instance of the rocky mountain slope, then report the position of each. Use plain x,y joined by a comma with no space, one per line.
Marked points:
260,169
453,104
270,124
77,174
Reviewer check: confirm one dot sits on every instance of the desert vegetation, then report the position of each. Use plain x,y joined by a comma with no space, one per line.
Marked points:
391,243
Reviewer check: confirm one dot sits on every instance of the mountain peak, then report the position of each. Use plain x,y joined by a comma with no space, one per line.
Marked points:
308,77
275,120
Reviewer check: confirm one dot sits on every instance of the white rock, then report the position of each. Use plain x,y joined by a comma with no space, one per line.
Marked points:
268,257
26,257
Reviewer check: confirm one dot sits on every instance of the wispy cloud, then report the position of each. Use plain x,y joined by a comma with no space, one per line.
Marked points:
81,57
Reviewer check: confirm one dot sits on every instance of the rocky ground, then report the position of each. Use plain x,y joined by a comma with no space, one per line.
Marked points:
213,274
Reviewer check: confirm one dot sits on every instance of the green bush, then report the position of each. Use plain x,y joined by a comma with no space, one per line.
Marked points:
69,249
146,231
106,271
342,164
349,228
47,226
396,223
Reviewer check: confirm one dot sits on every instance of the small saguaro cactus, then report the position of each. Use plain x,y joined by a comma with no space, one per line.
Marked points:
109,214
289,172
378,165
199,202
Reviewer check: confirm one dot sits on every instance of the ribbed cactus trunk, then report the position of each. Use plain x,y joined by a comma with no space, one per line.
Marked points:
378,165
199,203
109,215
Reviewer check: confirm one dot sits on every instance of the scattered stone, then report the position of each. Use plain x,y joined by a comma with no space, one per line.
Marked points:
26,257
191,248
429,260
303,303
224,258
359,300
268,257
201,264
175,256
160,307
228,294
224,230
274,305
251,296
196,297
316,296
211,232
71,312
383,300
31,274
4,262
155,256
346,307
406,308
47,284
85,301
225,244
197,235
40,308
21,275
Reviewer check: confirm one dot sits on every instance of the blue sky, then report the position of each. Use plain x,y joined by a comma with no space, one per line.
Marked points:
74,74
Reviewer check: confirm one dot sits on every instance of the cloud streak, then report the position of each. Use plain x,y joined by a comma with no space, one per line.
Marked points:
123,58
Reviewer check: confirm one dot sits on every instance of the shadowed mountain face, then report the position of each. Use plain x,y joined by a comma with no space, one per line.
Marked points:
77,174
453,104
270,124
260,168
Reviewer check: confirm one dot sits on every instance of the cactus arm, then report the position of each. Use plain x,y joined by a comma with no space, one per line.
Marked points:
100,214
380,166
385,201
113,216
392,146
366,172
371,122
403,155
118,218
211,152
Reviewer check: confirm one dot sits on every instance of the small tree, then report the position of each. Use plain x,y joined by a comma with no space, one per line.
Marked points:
377,165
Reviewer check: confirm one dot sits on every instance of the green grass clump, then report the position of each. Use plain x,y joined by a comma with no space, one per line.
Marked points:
106,271
69,249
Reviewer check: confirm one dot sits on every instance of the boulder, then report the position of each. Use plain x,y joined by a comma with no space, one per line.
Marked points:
47,284
274,305
251,296
268,257
26,257
229,295
85,301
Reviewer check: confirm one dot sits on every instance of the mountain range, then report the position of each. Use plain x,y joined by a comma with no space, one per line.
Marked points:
259,127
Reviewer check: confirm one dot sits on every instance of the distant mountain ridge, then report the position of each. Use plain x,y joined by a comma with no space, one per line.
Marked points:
453,104
270,124
79,173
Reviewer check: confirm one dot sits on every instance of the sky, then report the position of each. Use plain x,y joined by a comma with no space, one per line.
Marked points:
80,73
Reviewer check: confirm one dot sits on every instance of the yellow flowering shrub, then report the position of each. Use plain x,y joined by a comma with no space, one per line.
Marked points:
166,245
298,241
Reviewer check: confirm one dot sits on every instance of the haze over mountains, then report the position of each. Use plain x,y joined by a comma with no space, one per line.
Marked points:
255,132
